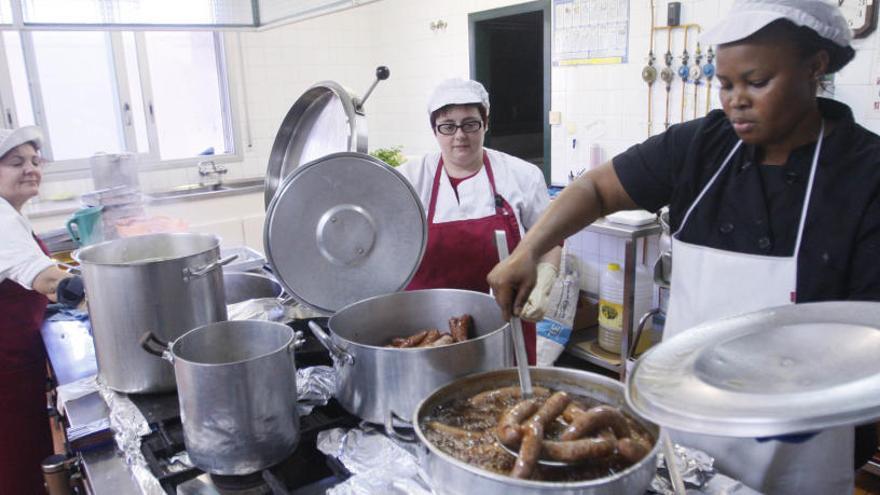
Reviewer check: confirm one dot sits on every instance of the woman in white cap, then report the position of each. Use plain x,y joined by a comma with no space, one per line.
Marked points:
469,192
28,279
774,200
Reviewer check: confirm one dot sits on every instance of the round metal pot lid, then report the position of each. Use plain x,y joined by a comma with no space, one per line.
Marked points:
790,369
324,120
344,228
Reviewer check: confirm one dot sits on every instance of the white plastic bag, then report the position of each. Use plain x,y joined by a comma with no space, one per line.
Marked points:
554,330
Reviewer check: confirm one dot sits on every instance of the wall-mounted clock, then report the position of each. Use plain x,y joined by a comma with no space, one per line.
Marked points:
861,16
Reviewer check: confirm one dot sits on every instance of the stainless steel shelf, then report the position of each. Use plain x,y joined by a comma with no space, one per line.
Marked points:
587,335
603,226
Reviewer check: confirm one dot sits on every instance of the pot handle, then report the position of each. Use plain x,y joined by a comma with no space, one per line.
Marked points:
327,342
191,273
156,347
392,432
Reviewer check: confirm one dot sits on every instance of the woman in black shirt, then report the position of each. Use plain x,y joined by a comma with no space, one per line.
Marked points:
772,200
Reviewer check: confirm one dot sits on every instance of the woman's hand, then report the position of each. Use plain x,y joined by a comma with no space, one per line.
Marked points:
512,281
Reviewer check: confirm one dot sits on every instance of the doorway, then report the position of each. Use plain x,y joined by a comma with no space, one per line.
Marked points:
510,56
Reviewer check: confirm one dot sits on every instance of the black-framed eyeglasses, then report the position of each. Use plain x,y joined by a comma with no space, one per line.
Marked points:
466,127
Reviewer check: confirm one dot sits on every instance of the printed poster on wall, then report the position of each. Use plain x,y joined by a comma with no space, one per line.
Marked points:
590,31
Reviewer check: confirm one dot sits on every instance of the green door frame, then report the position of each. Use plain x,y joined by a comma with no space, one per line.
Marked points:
477,54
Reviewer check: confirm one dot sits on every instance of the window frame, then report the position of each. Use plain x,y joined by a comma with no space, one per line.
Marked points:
149,159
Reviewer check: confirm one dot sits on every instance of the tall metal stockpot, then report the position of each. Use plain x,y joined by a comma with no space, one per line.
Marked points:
378,383
450,476
236,382
164,283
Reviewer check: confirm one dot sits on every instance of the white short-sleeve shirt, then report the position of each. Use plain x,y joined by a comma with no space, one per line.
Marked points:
517,181
21,258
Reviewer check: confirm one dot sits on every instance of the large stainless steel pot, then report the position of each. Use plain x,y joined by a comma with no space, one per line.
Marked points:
164,283
448,475
378,383
236,384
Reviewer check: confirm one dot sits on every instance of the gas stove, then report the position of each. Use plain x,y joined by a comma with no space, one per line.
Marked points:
305,472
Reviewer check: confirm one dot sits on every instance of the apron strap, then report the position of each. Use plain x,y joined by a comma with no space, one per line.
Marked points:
706,189
809,193
435,188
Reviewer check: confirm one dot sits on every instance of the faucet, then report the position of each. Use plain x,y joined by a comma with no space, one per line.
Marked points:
209,168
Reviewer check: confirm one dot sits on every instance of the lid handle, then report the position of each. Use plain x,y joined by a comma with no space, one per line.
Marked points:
382,73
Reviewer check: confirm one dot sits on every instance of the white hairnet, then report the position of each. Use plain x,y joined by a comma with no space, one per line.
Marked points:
746,17
458,92
10,138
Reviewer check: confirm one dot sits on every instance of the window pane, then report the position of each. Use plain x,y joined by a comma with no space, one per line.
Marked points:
21,92
186,93
78,90
173,12
134,90
5,12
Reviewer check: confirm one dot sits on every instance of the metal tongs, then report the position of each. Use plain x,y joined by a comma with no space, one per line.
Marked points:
516,332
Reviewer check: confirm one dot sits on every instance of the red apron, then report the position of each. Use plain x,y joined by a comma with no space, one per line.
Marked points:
461,253
25,439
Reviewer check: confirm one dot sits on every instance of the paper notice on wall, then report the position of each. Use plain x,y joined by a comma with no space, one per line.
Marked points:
874,111
590,31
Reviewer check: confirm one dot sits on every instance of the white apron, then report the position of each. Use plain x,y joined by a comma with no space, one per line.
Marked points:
708,284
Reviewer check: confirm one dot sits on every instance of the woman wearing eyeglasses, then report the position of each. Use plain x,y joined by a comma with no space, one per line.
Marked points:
469,192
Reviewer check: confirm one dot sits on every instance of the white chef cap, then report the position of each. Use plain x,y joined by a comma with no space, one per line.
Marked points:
458,91
747,17
10,138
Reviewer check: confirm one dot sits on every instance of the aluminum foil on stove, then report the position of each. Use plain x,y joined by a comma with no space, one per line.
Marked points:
314,387
698,473
377,464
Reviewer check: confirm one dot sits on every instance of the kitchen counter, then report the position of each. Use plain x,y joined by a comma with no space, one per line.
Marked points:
49,208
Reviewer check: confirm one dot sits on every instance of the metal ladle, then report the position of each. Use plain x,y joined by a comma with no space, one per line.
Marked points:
519,351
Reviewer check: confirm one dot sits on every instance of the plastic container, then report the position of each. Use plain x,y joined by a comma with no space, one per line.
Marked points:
611,304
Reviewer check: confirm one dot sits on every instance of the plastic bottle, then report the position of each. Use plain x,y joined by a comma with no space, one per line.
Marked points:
611,304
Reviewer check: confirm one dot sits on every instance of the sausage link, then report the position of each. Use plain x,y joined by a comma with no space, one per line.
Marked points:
633,449
490,396
551,408
584,422
444,339
432,336
508,430
461,327
453,431
529,451
411,341
579,450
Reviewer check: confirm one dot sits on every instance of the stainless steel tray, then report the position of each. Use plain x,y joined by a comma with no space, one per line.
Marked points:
783,370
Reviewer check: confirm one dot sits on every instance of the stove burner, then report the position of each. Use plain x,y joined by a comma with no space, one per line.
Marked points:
249,484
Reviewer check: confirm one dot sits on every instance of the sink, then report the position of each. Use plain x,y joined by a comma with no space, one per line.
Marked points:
199,190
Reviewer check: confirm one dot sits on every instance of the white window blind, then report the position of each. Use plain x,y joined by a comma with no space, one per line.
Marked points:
138,12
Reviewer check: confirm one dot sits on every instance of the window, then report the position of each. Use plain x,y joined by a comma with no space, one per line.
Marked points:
163,95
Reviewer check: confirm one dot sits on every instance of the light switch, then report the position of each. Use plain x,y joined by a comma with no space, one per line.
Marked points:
555,118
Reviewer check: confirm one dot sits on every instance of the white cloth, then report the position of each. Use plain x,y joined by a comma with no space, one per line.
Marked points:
21,258
747,17
711,283
517,181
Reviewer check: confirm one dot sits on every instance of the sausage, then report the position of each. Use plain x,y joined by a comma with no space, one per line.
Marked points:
431,337
411,341
461,327
584,422
508,430
551,408
529,451
445,339
494,395
633,449
579,450
453,431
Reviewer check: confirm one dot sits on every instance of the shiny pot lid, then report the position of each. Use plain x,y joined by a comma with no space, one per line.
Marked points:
344,228
325,119
794,368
